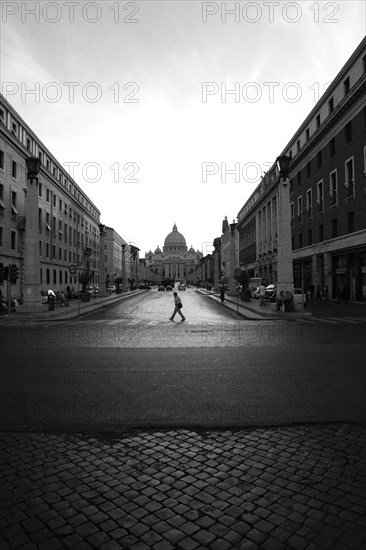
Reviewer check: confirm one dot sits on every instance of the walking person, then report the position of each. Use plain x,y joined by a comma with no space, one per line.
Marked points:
222,293
262,290
178,306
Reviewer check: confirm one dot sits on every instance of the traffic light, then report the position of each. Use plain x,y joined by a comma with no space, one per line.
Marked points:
6,273
14,274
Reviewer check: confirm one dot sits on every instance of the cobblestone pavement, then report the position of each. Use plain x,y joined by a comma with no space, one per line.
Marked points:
289,488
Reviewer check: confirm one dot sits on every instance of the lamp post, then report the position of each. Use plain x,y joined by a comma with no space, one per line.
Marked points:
216,265
233,260
124,287
102,281
32,278
285,279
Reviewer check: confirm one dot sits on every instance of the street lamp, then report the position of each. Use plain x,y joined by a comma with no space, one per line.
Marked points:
124,287
32,259
283,163
102,280
33,166
285,281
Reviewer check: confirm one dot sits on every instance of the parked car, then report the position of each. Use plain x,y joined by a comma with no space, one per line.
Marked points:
299,296
111,288
168,287
254,292
144,286
270,293
161,287
182,286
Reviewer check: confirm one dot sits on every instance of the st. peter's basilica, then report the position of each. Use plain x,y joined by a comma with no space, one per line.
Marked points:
175,261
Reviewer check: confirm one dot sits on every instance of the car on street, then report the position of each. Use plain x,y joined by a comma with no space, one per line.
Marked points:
270,293
111,288
144,286
182,286
161,287
299,296
168,287
254,292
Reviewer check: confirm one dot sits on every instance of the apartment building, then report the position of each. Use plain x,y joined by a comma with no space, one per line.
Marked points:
327,194
68,221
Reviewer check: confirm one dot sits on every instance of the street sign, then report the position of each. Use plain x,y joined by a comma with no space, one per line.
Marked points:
72,269
237,272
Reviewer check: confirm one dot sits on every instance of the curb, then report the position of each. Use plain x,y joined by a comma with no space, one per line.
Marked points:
251,313
62,315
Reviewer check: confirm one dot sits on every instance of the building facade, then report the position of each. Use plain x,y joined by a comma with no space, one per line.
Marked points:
121,259
175,261
68,221
327,194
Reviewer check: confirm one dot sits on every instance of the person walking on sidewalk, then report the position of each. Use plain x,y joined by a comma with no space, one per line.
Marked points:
222,293
262,290
178,306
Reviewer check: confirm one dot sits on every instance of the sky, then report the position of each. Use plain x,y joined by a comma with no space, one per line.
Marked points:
152,105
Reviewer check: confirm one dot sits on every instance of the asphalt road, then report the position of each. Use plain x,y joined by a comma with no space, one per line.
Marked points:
128,366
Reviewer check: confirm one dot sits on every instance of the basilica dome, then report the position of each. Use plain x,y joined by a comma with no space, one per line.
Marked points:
175,240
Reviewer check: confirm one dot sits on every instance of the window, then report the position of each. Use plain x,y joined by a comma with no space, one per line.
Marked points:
299,209
307,133
1,236
331,105
2,160
47,251
310,237
348,132
48,278
299,178
60,205
332,147
54,200
319,160
308,169
40,189
317,121
40,219
14,210
40,156
334,228
47,164
48,195
333,188
346,86
364,64
321,232
300,240
2,204
14,169
2,116
349,181
298,145
13,239
309,202
319,195
350,222
14,129
28,144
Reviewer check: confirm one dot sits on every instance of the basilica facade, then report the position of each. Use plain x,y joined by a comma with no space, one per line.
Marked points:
175,261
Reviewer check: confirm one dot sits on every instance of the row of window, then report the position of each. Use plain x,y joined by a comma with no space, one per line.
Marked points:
349,184
334,232
51,166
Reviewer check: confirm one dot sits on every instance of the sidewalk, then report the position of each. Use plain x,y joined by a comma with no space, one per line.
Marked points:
252,310
285,488
73,311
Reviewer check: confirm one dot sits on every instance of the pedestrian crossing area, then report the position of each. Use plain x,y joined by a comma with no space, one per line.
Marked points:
331,320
